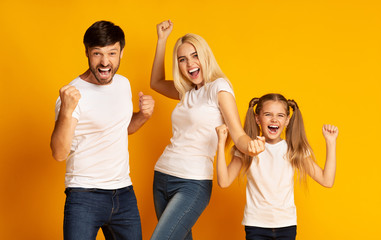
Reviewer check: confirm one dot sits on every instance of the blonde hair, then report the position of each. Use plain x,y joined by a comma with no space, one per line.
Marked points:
299,151
209,66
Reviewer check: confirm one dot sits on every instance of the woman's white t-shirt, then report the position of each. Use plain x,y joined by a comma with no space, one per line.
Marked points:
193,145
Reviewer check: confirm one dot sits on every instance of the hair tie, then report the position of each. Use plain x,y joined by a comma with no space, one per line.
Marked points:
253,101
293,104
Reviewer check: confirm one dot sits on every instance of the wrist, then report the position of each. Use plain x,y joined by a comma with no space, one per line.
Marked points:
162,40
65,114
331,142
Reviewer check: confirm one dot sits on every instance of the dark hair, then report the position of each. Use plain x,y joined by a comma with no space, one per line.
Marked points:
103,33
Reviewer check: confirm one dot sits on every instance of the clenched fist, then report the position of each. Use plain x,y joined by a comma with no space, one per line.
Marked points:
164,29
146,105
69,99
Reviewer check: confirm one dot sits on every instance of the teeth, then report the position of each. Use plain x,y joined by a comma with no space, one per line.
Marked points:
104,70
193,70
274,127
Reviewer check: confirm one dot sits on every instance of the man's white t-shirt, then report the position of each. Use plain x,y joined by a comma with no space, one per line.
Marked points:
270,189
193,145
99,155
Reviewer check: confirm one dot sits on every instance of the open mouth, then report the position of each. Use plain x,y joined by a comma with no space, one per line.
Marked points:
194,72
104,72
273,129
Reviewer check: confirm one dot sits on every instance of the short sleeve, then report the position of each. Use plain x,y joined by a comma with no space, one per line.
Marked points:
58,107
219,85
238,154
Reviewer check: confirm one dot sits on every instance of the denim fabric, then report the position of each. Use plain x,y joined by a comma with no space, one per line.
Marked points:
115,211
178,204
282,233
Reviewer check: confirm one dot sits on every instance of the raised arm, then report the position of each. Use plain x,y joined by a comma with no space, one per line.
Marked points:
230,114
326,176
146,106
65,124
225,174
158,81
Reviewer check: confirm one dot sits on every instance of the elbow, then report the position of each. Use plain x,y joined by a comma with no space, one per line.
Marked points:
58,158
328,184
223,184
153,86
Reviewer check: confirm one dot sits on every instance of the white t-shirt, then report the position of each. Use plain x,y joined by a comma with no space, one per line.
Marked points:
193,145
99,151
270,189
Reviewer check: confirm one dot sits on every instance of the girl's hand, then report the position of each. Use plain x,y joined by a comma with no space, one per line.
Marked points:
256,146
222,133
164,29
330,132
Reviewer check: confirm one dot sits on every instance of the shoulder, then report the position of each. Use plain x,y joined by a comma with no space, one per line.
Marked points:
119,79
76,82
220,82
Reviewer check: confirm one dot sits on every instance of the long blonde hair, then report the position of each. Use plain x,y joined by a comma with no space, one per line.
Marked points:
209,66
299,151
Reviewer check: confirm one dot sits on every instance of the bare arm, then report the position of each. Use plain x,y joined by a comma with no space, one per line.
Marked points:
146,105
326,176
65,125
225,174
230,114
158,81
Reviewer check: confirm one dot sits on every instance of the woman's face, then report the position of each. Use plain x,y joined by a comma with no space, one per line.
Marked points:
189,64
272,119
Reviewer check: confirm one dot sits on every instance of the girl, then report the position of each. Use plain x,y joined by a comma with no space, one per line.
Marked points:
184,172
270,211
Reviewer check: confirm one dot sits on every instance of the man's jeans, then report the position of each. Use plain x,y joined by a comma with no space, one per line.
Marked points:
115,211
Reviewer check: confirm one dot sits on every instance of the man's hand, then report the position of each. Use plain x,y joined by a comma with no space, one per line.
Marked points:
69,99
146,105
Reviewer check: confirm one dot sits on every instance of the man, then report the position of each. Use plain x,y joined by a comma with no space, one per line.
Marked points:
93,119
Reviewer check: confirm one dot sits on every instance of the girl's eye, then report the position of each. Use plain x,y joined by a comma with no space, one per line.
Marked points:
195,56
181,60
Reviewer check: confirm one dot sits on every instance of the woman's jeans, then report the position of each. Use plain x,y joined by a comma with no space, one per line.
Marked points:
178,203
282,233
115,211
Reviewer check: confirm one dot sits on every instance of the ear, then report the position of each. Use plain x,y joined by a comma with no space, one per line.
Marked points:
121,53
87,53
257,120
288,120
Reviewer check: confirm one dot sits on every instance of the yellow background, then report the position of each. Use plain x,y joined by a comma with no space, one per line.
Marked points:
325,54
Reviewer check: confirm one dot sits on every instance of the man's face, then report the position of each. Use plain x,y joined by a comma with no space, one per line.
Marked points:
104,62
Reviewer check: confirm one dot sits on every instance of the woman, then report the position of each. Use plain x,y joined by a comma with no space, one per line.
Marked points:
184,172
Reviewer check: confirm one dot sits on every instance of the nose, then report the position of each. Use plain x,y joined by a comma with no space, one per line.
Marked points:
104,61
190,62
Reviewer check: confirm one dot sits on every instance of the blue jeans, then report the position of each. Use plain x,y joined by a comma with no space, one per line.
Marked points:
115,211
178,203
282,233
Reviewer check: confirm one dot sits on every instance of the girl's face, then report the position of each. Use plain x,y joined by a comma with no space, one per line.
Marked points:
189,64
272,119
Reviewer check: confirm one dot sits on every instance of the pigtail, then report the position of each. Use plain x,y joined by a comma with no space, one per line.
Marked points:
252,130
299,151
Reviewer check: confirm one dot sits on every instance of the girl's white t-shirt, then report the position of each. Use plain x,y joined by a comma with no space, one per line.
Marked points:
193,145
270,189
